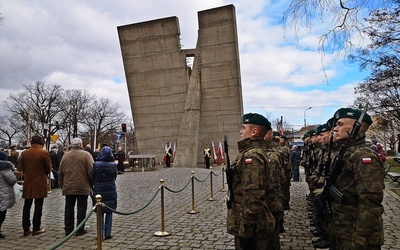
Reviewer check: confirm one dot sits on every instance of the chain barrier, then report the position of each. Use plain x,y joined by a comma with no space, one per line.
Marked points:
202,180
75,230
180,190
160,189
136,211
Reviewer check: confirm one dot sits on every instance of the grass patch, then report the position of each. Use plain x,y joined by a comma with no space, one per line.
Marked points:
396,191
394,165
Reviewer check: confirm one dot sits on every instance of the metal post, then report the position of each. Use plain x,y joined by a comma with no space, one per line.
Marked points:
162,232
98,211
305,121
193,211
211,186
223,179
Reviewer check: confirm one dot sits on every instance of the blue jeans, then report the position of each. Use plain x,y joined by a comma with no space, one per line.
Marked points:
106,224
296,171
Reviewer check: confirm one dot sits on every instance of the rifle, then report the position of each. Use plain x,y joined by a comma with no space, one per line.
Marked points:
329,160
229,175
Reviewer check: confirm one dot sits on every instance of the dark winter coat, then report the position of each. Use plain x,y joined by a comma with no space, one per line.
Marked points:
104,175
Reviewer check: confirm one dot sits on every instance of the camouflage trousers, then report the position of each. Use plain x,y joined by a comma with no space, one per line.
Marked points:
271,243
343,244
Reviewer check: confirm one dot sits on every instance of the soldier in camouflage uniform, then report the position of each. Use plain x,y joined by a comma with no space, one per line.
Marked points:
280,178
250,219
287,167
357,217
318,179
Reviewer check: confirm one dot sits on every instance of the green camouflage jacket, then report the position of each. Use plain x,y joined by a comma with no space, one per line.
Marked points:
250,213
358,217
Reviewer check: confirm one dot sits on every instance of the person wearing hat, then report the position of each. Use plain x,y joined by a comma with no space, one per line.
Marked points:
167,155
274,191
287,168
249,218
316,182
357,216
207,155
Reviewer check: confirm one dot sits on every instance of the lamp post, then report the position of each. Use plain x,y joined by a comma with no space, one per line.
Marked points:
305,121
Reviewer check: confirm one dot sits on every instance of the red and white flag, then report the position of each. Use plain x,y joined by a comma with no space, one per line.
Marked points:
222,153
215,155
174,152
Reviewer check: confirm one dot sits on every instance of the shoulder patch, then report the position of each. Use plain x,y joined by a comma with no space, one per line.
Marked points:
366,160
249,161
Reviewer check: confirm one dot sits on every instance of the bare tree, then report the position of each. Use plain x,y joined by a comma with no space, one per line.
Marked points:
345,19
37,105
103,119
9,128
74,106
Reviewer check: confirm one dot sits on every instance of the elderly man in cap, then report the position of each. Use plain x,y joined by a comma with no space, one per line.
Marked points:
357,216
75,180
250,219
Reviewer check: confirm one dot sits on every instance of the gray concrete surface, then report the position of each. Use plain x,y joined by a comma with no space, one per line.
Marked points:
202,230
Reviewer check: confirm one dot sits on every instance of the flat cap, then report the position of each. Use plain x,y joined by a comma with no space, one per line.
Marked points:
351,113
254,118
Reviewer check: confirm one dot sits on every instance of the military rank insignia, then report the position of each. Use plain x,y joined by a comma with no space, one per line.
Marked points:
366,160
248,161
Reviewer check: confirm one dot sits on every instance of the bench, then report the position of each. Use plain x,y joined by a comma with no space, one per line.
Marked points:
395,177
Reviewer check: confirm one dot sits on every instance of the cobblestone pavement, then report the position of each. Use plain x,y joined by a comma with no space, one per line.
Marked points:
205,229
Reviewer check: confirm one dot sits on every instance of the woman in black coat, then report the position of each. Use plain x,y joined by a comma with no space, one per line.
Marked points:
104,175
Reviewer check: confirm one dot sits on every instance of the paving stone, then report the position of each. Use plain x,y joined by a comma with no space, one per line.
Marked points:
203,230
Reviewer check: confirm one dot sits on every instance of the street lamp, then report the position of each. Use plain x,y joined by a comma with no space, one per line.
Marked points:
305,121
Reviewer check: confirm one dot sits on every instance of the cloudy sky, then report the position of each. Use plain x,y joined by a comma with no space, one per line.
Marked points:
75,44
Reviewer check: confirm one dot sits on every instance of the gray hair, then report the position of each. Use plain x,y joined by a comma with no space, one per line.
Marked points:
76,142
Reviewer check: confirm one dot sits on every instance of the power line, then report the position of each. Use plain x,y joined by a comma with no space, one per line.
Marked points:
298,107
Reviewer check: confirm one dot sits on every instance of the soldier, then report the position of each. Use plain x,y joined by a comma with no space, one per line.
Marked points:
283,141
249,218
280,178
357,216
167,155
317,181
207,155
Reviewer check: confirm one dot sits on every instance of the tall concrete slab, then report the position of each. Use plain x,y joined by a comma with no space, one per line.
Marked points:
171,102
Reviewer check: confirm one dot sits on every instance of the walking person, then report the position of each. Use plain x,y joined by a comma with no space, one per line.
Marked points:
104,175
75,180
7,181
36,166
295,162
